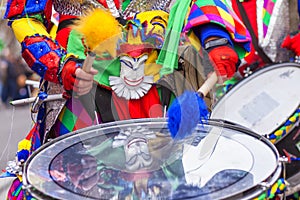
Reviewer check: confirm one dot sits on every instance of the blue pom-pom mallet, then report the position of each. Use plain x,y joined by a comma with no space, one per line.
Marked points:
189,109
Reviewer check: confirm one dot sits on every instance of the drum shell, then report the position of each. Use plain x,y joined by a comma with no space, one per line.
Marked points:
281,125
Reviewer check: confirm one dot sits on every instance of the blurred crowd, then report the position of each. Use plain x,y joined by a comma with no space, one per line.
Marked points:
13,74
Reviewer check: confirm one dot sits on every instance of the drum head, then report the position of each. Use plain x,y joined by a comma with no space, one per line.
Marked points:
138,159
263,101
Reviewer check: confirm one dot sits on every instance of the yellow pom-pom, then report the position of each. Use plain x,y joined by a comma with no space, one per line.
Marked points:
99,27
24,144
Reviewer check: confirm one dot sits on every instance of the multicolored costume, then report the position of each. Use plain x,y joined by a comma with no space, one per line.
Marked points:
270,22
132,85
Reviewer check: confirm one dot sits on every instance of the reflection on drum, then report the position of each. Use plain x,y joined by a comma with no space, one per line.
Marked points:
268,103
137,159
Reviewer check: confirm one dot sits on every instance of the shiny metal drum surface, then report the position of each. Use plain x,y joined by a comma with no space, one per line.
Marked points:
138,159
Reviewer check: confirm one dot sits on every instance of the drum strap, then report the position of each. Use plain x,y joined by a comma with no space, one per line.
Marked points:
244,16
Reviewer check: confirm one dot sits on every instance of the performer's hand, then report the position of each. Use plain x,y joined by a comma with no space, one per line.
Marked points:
292,43
75,79
225,60
84,81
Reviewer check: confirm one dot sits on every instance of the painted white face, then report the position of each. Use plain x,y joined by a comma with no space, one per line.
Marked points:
132,70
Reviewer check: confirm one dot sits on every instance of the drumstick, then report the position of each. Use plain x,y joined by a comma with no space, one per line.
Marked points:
208,84
189,109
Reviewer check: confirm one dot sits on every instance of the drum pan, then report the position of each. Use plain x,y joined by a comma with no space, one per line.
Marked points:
268,103
138,159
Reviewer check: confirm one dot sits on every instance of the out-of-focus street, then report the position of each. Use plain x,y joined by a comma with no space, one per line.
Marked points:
15,123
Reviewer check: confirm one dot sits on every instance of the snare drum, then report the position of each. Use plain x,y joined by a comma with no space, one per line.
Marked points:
138,159
267,102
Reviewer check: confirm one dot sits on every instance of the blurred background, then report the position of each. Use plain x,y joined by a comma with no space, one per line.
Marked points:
15,121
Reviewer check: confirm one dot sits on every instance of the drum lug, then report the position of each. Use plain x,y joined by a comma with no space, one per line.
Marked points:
283,159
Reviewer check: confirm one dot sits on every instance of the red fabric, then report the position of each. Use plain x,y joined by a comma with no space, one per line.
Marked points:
51,73
135,50
224,60
250,8
63,17
16,8
121,105
148,106
28,57
103,2
68,75
118,3
292,43
62,35
48,14
32,39
49,59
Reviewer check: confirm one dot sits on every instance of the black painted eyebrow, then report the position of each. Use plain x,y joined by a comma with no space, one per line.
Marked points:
128,64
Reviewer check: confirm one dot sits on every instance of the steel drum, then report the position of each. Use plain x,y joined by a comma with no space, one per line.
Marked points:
138,159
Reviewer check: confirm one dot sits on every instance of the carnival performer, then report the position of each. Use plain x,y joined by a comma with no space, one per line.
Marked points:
273,27
58,60
55,61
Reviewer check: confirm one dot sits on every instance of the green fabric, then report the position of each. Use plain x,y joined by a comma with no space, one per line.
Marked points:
125,4
240,51
69,119
106,68
1,45
168,57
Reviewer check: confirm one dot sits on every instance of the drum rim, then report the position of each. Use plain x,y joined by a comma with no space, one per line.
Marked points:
250,193
257,73
261,70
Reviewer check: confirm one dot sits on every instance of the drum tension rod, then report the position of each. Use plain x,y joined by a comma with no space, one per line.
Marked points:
284,160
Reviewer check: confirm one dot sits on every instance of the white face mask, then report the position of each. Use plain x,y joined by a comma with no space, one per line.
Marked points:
132,69
135,144
132,83
137,154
